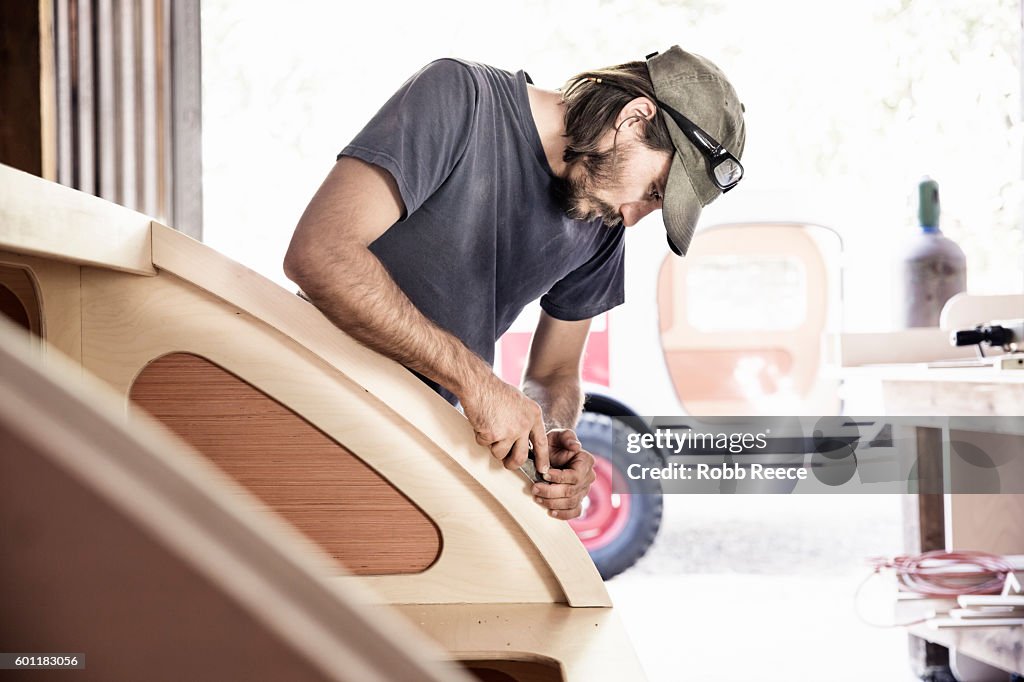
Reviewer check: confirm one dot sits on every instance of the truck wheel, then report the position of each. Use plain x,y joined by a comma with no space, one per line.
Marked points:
616,528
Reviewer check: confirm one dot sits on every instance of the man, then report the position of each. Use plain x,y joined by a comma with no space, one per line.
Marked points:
472,193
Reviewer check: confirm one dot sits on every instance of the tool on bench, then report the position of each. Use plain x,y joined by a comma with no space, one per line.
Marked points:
1005,334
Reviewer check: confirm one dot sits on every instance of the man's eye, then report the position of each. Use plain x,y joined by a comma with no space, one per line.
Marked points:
655,194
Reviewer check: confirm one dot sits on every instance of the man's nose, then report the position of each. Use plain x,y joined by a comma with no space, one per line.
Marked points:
633,213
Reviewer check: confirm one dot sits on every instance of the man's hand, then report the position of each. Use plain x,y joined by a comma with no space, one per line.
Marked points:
570,476
507,422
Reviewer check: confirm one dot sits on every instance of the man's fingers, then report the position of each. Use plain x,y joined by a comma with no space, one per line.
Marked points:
541,452
561,503
582,463
565,514
552,490
566,439
500,449
566,476
517,456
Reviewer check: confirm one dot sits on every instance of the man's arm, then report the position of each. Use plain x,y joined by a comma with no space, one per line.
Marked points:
552,378
330,260
552,375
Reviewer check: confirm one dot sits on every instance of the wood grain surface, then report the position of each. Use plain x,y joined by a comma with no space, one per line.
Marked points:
131,548
128,321
328,493
444,435
580,644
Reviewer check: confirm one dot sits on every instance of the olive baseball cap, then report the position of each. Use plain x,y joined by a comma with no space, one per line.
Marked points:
697,89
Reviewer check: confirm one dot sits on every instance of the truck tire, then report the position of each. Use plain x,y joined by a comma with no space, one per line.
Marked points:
616,528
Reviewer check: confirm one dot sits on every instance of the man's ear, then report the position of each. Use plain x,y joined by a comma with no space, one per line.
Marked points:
635,110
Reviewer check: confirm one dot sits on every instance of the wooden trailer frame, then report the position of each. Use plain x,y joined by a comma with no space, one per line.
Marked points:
172,323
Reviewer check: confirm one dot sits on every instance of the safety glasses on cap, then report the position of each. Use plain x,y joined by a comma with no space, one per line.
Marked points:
723,168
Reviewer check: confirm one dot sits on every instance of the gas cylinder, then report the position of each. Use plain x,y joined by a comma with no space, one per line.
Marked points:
933,266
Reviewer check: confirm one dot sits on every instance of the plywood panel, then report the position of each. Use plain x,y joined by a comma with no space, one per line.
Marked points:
18,298
989,523
997,395
80,228
318,485
581,644
131,548
129,321
55,287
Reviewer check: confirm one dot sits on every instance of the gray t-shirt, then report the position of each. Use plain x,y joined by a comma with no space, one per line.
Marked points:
483,234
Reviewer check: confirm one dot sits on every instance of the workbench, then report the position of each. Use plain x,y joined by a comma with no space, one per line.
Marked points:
992,523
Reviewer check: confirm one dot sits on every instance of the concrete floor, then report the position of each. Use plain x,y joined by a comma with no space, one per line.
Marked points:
761,587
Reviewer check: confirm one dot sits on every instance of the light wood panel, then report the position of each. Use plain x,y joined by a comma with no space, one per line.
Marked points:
79,228
990,523
129,321
921,344
316,484
966,396
56,287
586,644
132,550
998,646
965,311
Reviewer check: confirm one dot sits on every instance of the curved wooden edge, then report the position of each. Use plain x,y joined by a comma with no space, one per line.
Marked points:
587,644
207,520
395,389
57,286
81,228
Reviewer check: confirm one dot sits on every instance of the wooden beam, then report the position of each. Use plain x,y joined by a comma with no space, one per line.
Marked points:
81,228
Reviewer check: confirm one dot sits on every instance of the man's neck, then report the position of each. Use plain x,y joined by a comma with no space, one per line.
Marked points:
549,117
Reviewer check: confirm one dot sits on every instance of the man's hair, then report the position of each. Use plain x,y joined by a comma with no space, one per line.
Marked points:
592,101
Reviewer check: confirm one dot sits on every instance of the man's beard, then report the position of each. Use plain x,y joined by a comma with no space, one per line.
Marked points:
576,191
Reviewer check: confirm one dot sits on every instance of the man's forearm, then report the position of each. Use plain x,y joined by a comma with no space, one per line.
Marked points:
559,396
356,292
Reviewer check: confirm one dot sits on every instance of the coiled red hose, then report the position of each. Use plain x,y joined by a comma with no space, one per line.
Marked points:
948,574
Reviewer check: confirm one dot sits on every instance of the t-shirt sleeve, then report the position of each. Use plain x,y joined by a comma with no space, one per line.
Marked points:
420,134
592,288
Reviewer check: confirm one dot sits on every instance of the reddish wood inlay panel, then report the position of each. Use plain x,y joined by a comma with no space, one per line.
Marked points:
318,485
